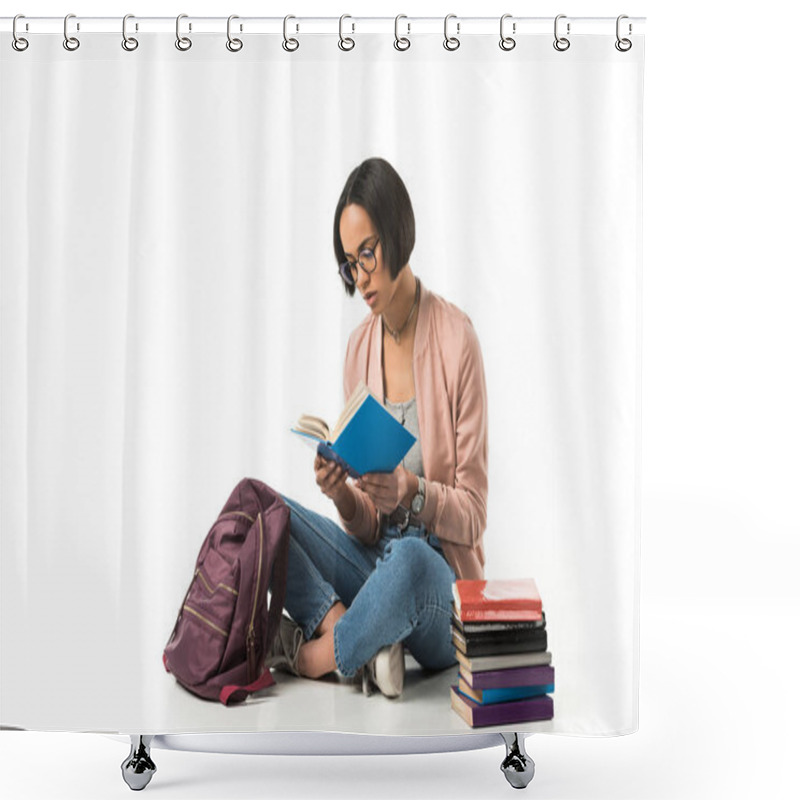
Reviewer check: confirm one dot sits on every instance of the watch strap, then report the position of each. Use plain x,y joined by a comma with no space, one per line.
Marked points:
418,501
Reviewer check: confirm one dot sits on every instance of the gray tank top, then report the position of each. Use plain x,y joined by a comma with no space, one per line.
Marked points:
406,415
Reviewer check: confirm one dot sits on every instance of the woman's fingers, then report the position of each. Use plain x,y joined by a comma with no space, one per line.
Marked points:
330,475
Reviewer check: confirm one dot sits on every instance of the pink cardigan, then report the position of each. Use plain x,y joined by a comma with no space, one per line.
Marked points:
451,405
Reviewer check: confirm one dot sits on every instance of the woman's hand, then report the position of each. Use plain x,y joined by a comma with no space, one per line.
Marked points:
387,490
331,478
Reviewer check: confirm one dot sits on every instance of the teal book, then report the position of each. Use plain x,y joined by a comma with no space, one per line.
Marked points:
366,437
503,695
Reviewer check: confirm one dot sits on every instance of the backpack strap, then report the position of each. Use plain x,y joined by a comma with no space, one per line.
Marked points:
235,694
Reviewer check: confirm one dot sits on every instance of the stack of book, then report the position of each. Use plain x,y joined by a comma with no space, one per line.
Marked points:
505,673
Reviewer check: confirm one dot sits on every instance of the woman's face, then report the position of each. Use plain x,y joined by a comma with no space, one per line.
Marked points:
358,233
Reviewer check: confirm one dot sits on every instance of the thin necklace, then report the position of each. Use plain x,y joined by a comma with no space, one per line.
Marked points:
399,332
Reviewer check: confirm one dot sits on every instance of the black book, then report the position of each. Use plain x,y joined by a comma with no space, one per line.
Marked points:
478,629
495,645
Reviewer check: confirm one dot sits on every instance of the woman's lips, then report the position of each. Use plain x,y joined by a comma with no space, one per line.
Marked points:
371,297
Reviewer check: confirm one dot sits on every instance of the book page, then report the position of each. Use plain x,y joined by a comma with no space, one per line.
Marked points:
316,426
352,405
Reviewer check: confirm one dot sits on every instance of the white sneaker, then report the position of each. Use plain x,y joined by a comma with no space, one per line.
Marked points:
386,670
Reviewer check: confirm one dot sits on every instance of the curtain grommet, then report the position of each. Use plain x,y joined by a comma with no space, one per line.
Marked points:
183,43
70,42
451,43
233,45
19,43
129,43
506,42
561,43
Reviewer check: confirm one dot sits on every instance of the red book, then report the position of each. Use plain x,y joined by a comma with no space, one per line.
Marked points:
489,601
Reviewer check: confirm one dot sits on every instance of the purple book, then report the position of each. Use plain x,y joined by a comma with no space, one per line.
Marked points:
506,678
477,716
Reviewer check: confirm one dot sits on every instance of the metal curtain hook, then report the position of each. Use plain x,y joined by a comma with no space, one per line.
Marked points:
345,43
181,42
18,43
234,45
70,42
623,45
561,43
451,42
401,43
289,45
506,42
128,42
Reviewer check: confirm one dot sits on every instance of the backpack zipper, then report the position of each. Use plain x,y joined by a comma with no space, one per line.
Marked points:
251,632
206,620
236,513
198,572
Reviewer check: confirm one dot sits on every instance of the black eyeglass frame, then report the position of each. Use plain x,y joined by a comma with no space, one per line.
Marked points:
347,268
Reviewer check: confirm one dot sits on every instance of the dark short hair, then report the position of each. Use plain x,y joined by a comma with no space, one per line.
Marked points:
379,190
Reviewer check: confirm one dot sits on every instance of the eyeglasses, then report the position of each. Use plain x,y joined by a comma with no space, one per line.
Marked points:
366,260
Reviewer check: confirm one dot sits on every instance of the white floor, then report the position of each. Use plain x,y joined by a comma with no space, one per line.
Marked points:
332,703
719,711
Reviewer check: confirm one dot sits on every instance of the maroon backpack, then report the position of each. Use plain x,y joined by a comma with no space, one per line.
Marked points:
228,620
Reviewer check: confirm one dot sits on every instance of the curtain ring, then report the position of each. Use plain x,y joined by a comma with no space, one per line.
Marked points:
347,43
18,43
561,43
289,45
451,42
183,43
234,45
70,42
403,43
128,42
506,42
623,45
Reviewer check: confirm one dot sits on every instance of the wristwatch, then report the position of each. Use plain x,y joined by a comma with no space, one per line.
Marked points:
418,502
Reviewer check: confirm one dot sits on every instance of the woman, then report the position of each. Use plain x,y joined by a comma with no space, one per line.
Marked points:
384,581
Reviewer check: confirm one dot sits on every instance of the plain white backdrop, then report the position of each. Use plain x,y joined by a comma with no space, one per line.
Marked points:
719,701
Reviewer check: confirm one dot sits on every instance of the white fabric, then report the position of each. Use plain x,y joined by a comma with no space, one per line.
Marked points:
171,303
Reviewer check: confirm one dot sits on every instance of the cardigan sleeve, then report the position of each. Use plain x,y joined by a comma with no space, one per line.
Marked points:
457,513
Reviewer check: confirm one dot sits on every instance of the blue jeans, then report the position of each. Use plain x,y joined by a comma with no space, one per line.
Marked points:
399,589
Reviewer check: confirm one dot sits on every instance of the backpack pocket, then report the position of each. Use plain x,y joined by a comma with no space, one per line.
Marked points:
198,647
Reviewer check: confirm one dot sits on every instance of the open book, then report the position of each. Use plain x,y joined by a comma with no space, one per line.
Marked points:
366,437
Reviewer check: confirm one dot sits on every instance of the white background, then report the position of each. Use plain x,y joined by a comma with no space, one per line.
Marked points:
721,436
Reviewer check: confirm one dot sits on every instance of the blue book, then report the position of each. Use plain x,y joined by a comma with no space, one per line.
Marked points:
366,437
489,696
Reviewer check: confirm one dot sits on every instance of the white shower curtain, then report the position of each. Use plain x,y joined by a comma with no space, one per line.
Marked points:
170,304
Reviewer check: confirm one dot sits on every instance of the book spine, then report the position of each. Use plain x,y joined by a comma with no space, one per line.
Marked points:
499,678
498,615
531,710
474,649
502,695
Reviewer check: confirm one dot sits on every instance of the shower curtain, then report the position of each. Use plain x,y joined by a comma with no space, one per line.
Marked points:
171,303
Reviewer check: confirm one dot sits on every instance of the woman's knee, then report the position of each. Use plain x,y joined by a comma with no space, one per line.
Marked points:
409,555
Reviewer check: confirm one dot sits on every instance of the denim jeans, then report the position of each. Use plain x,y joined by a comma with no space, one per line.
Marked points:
399,589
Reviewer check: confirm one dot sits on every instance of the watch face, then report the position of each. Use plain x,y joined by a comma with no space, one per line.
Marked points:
416,503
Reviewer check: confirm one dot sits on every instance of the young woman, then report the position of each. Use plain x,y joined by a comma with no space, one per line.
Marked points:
360,593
